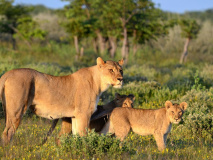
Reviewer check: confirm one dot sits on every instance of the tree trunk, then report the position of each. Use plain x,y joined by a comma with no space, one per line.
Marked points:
135,46
125,47
113,46
14,43
76,44
185,51
82,52
95,45
100,42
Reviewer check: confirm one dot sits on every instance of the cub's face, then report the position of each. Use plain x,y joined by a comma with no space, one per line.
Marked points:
111,72
175,111
124,100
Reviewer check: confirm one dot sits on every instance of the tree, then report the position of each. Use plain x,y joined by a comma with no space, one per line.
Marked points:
125,10
77,22
190,29
16,21
147,25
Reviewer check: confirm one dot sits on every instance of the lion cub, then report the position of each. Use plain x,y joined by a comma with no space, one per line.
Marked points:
100,117
156,122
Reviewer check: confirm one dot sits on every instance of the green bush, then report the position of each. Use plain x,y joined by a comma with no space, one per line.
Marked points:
198,118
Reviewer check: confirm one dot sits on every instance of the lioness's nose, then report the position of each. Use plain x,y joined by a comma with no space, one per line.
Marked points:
120,79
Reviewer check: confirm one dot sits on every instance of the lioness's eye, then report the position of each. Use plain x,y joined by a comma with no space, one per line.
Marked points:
121,71
125,104
173,112
180,113
111,70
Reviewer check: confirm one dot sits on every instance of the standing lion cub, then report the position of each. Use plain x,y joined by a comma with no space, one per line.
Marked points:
156,122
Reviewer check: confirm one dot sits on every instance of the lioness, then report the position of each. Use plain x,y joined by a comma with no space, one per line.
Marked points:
156,122
100,117
52,97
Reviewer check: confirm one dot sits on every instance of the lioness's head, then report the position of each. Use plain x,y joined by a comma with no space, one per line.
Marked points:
124,100
111,72
175,111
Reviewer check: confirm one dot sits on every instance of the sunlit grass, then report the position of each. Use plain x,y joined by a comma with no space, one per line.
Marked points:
26,145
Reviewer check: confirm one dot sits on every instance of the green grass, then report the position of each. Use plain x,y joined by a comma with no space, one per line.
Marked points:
153,77
26,145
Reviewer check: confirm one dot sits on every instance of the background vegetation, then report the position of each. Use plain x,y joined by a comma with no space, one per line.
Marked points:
45,40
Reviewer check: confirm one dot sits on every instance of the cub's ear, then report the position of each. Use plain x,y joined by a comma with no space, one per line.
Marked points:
100,61
121,62
183,106
117,95
168,104
131,96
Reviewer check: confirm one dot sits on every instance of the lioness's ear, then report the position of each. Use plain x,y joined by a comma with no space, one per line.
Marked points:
168,104
183,106
117,95
121,62
100,61
131,96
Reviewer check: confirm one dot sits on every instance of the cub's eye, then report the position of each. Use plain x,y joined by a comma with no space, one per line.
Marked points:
173,112
111,70
121,71
180,113
125,104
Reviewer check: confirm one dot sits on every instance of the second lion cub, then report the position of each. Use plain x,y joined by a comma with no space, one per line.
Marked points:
156,122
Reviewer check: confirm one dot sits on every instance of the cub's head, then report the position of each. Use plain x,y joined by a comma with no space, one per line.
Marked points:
111,72
124,100
175,111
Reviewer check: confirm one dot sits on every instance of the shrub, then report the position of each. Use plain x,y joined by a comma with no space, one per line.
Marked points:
198,118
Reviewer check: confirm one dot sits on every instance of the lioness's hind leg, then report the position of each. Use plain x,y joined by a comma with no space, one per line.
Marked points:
12,124
66,128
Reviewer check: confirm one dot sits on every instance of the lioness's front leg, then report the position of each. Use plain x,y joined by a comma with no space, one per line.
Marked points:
80,124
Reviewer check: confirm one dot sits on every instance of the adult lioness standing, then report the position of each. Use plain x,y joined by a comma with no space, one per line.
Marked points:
52,97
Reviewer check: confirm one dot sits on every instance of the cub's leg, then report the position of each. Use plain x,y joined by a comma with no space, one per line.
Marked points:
66,128
160,141
108,128
121,127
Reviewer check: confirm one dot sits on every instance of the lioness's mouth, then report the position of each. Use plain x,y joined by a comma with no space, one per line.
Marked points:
117,85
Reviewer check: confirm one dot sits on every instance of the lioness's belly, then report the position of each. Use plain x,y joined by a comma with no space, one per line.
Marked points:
52,112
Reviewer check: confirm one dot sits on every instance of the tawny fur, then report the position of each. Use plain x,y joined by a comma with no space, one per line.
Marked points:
100,116
52,97
156,122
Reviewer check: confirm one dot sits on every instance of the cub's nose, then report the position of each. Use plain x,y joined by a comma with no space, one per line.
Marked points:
120,79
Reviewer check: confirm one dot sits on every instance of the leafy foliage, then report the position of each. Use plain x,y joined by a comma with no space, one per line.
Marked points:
190,28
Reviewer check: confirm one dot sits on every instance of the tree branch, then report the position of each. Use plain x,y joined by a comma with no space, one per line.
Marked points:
17,31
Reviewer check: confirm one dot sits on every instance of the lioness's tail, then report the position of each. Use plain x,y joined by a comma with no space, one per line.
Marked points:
2,97
55,121
2,81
